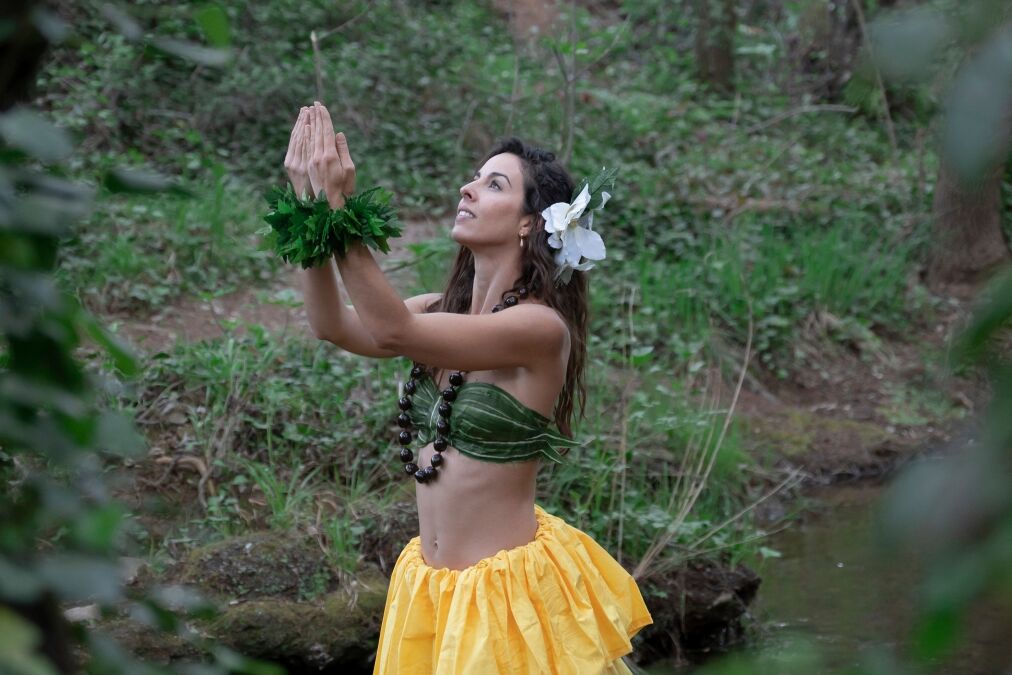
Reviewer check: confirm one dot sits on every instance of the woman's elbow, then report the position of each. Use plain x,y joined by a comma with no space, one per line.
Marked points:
393,336
322,333
390,342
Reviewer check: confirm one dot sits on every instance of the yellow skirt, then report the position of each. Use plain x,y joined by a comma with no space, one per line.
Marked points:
559,604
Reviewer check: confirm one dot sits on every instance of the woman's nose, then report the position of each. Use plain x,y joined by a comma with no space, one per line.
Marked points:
466,191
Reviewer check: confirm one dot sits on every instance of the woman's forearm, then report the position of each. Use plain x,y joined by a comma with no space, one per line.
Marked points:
378,314
380,309
322,299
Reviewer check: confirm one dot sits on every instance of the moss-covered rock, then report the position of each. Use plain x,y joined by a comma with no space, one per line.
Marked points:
822,445
261,564
153,645
334,633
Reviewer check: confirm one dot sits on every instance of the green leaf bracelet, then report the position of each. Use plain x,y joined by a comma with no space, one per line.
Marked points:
308,232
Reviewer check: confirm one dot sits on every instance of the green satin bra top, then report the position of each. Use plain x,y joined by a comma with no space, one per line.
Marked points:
487,423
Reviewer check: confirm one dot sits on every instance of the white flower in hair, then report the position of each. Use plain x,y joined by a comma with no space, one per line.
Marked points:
570,231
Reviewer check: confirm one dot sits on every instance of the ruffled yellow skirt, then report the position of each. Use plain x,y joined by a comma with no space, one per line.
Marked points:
559,604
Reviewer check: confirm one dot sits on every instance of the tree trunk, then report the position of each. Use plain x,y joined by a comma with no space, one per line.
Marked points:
21,53
967,240
716,23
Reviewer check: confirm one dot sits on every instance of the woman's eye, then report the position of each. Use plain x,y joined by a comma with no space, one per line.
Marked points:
496,184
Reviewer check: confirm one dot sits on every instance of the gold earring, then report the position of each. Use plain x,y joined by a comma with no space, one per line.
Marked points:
521,241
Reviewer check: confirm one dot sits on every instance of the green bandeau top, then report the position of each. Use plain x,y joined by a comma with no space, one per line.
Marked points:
487,423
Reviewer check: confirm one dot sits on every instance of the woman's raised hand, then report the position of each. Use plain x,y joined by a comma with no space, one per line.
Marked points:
330,166
297,158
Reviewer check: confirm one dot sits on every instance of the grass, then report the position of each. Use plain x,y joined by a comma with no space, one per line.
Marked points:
134,254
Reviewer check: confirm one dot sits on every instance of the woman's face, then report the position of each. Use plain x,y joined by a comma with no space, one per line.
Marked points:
490,208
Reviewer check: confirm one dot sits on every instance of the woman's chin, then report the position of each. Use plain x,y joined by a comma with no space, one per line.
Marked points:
460,234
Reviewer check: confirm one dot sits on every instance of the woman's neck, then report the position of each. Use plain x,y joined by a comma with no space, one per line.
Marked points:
492,276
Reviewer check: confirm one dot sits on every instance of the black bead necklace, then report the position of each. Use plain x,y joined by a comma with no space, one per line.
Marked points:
449,395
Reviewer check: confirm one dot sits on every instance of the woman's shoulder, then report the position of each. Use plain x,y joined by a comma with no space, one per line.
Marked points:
547,310
551,317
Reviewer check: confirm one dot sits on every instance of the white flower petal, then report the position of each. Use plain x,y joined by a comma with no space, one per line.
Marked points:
556,217
589,243
581,201
571,250
605,196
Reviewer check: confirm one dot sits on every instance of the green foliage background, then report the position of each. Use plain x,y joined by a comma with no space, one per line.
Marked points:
730,212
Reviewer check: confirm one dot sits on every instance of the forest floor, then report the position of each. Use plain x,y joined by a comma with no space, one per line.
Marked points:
856,408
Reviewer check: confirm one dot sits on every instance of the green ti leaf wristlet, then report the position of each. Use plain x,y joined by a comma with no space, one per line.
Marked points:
308,232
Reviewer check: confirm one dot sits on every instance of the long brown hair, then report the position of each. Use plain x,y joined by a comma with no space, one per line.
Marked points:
546,182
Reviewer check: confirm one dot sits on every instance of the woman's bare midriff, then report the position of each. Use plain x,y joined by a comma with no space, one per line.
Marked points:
474,508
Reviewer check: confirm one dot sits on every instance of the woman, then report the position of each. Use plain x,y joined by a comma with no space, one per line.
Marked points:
492,583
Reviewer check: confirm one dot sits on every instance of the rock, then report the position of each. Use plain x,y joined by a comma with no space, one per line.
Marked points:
279,601
822,445
83,613
262,564
335,633
131,568
152,645
697,610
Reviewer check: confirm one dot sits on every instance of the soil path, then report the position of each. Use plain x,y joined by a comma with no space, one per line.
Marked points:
276,307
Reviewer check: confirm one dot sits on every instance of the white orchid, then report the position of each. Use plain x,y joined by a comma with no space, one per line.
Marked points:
570,231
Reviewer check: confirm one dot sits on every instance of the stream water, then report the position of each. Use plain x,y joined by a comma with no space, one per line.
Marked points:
832,587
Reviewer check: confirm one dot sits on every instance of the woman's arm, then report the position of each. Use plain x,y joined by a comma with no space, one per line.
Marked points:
525,335
329,318
334,321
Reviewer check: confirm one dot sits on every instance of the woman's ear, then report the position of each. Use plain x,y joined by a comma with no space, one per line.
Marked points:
526,225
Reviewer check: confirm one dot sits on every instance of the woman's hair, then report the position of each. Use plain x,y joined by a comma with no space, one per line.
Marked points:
546,182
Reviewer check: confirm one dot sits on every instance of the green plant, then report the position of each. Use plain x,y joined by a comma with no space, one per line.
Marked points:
284,500
138,253
343,535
